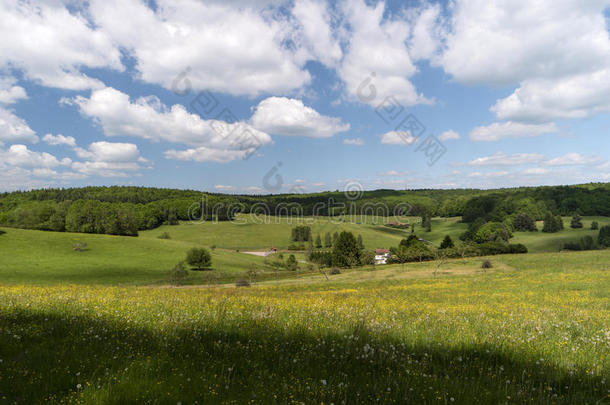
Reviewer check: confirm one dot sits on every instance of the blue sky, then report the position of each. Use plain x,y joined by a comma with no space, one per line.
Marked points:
509,94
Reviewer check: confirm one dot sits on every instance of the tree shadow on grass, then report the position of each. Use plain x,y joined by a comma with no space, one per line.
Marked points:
201,269
393,231
54,358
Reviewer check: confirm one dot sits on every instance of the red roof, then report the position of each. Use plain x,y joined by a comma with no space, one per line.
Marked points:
381,251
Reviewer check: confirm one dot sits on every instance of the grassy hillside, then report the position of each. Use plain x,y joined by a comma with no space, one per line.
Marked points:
28,256
552,242
250,232
534,329
40,257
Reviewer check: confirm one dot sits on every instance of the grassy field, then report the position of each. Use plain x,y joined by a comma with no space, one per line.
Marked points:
552,242
47,257
534,329
39,257
251,232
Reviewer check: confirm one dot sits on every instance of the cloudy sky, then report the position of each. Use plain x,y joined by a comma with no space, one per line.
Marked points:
262,96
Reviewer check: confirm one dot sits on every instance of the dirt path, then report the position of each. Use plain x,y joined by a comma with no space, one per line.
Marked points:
262,254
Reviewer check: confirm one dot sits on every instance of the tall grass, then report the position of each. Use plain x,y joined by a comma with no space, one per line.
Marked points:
529,336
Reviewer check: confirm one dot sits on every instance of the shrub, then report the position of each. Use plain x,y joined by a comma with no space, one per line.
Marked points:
552,223
242,283
334,270
585,243
410,241
576,222
452,252
321,257
486,264
164,235
2,232
492,231
571,246
199,258
492,248
498,248
517,248
79,246
418,252
472,229
178,274
291,263
594,225
523,222
367,257
603,237
559,221
301,233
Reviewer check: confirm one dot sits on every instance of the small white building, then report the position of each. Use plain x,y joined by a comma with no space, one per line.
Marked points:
382,256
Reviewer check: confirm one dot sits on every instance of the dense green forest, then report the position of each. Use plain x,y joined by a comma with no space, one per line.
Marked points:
125,210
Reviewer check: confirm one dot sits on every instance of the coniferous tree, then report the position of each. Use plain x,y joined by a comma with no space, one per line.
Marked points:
426,223
559,222
576,222
447,242
603,237
346,252
327,241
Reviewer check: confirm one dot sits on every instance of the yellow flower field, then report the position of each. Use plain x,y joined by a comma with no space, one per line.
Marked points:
540,337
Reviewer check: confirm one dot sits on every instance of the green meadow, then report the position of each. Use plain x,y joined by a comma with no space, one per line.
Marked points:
103,325
39,257
533,329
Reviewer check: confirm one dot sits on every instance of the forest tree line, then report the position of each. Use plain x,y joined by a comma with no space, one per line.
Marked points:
125,210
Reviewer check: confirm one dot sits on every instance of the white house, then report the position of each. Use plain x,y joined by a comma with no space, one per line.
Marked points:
381,256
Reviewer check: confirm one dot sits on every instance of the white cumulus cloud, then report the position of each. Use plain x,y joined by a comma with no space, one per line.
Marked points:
50,44
502,159
290,117
59,139
398,138
354,141
377,50
14,128
223,47
147,117
449,135
509,129
573,158
20,156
